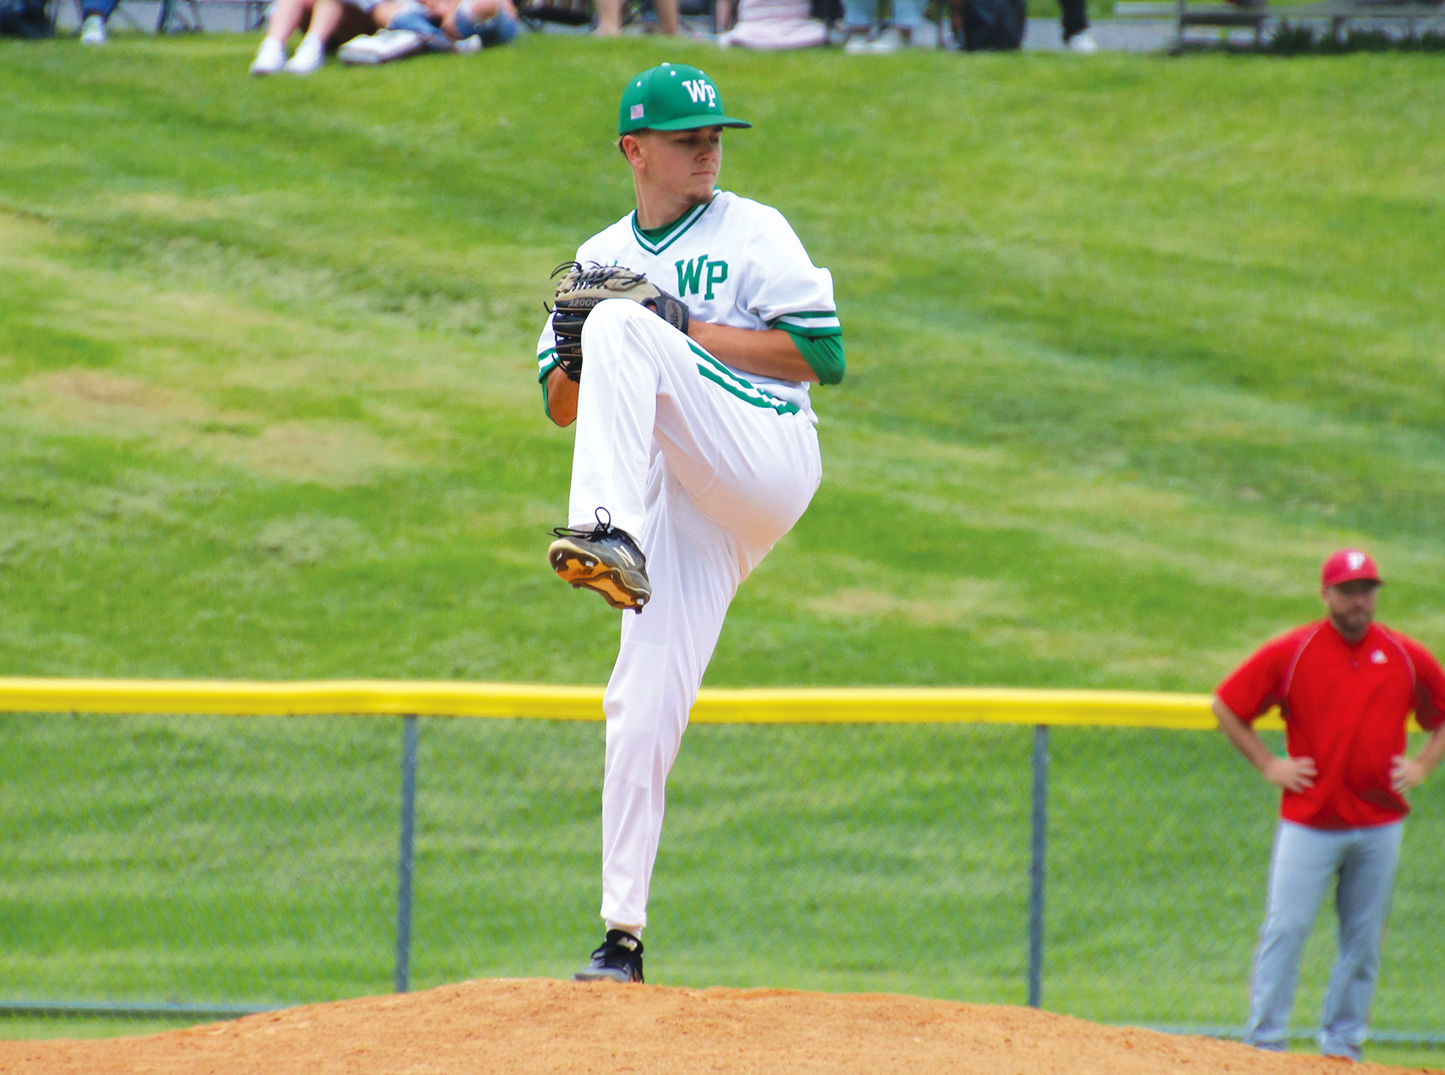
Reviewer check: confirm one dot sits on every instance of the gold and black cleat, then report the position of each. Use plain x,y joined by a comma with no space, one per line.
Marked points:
604,559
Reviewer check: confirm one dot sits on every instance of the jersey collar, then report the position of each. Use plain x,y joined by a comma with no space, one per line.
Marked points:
1372,634
674,230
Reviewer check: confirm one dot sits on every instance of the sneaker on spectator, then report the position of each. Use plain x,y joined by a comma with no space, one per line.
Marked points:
1082,42
890,40
92,31
310,55
387,45
856,45
270,57
470,44
381,47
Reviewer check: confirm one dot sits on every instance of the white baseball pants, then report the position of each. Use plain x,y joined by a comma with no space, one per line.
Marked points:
707,477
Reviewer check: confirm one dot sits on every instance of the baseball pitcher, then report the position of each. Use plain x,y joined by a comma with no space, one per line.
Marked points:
683,342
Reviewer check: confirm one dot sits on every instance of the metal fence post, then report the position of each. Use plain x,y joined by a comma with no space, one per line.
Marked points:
404,852
1039,856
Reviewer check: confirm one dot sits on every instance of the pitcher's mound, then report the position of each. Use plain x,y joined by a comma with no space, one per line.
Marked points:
544,1026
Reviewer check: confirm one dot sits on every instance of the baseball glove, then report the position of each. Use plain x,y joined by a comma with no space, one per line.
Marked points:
582,287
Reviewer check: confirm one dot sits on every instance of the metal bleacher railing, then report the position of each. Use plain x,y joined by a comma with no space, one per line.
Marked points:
202,849
1218,16
168,16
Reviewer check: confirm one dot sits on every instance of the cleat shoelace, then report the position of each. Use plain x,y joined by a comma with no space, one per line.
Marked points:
604,528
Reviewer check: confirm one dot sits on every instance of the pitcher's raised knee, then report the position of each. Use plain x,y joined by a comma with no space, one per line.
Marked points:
620,330
613,315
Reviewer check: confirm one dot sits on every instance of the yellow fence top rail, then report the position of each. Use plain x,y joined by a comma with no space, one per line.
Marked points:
793,705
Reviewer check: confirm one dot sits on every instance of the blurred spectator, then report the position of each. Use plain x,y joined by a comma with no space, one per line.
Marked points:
25,18
1076,26
609,17
989,25
94,14
328,23
775,24
492,22
440,26
858,22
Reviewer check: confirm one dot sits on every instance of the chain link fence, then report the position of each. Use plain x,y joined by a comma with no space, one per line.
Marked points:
209,865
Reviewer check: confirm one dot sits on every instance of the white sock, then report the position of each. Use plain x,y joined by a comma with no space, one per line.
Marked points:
312,43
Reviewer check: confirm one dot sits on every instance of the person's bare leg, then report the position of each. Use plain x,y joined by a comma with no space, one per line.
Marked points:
480,11
722,15
666,16
382,13
325,18
286,15
609,18
443,12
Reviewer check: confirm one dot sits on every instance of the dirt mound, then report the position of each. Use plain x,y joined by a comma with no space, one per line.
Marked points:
526,1026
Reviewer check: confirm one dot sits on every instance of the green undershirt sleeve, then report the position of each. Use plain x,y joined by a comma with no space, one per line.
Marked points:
824,354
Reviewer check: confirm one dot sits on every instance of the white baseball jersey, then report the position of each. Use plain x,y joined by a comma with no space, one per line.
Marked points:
733,262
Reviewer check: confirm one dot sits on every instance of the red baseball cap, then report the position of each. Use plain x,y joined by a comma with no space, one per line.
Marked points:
1347,565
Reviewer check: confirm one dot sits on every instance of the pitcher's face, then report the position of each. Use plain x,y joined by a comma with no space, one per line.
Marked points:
684,164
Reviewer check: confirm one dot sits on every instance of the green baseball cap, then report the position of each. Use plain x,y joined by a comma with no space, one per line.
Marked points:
672,97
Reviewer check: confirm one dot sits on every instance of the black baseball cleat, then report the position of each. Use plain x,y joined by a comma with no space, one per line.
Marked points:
618,960
604,559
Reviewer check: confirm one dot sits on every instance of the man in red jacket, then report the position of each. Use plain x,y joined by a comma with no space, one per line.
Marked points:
1345,686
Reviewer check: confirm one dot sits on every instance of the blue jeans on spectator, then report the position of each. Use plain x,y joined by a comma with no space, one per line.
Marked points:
498,30
859,14
104,8
1361,863
417,21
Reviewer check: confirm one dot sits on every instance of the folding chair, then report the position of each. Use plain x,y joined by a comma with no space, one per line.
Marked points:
185,15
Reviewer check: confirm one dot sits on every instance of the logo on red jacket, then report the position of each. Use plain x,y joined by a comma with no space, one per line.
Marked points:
1378,657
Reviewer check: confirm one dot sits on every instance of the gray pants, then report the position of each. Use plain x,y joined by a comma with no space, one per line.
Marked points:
1306,861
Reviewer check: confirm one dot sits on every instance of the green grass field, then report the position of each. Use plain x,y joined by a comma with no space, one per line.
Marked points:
1132,344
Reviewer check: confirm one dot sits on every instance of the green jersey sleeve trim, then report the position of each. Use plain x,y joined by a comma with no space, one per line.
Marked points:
548,358
824,354
811,324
